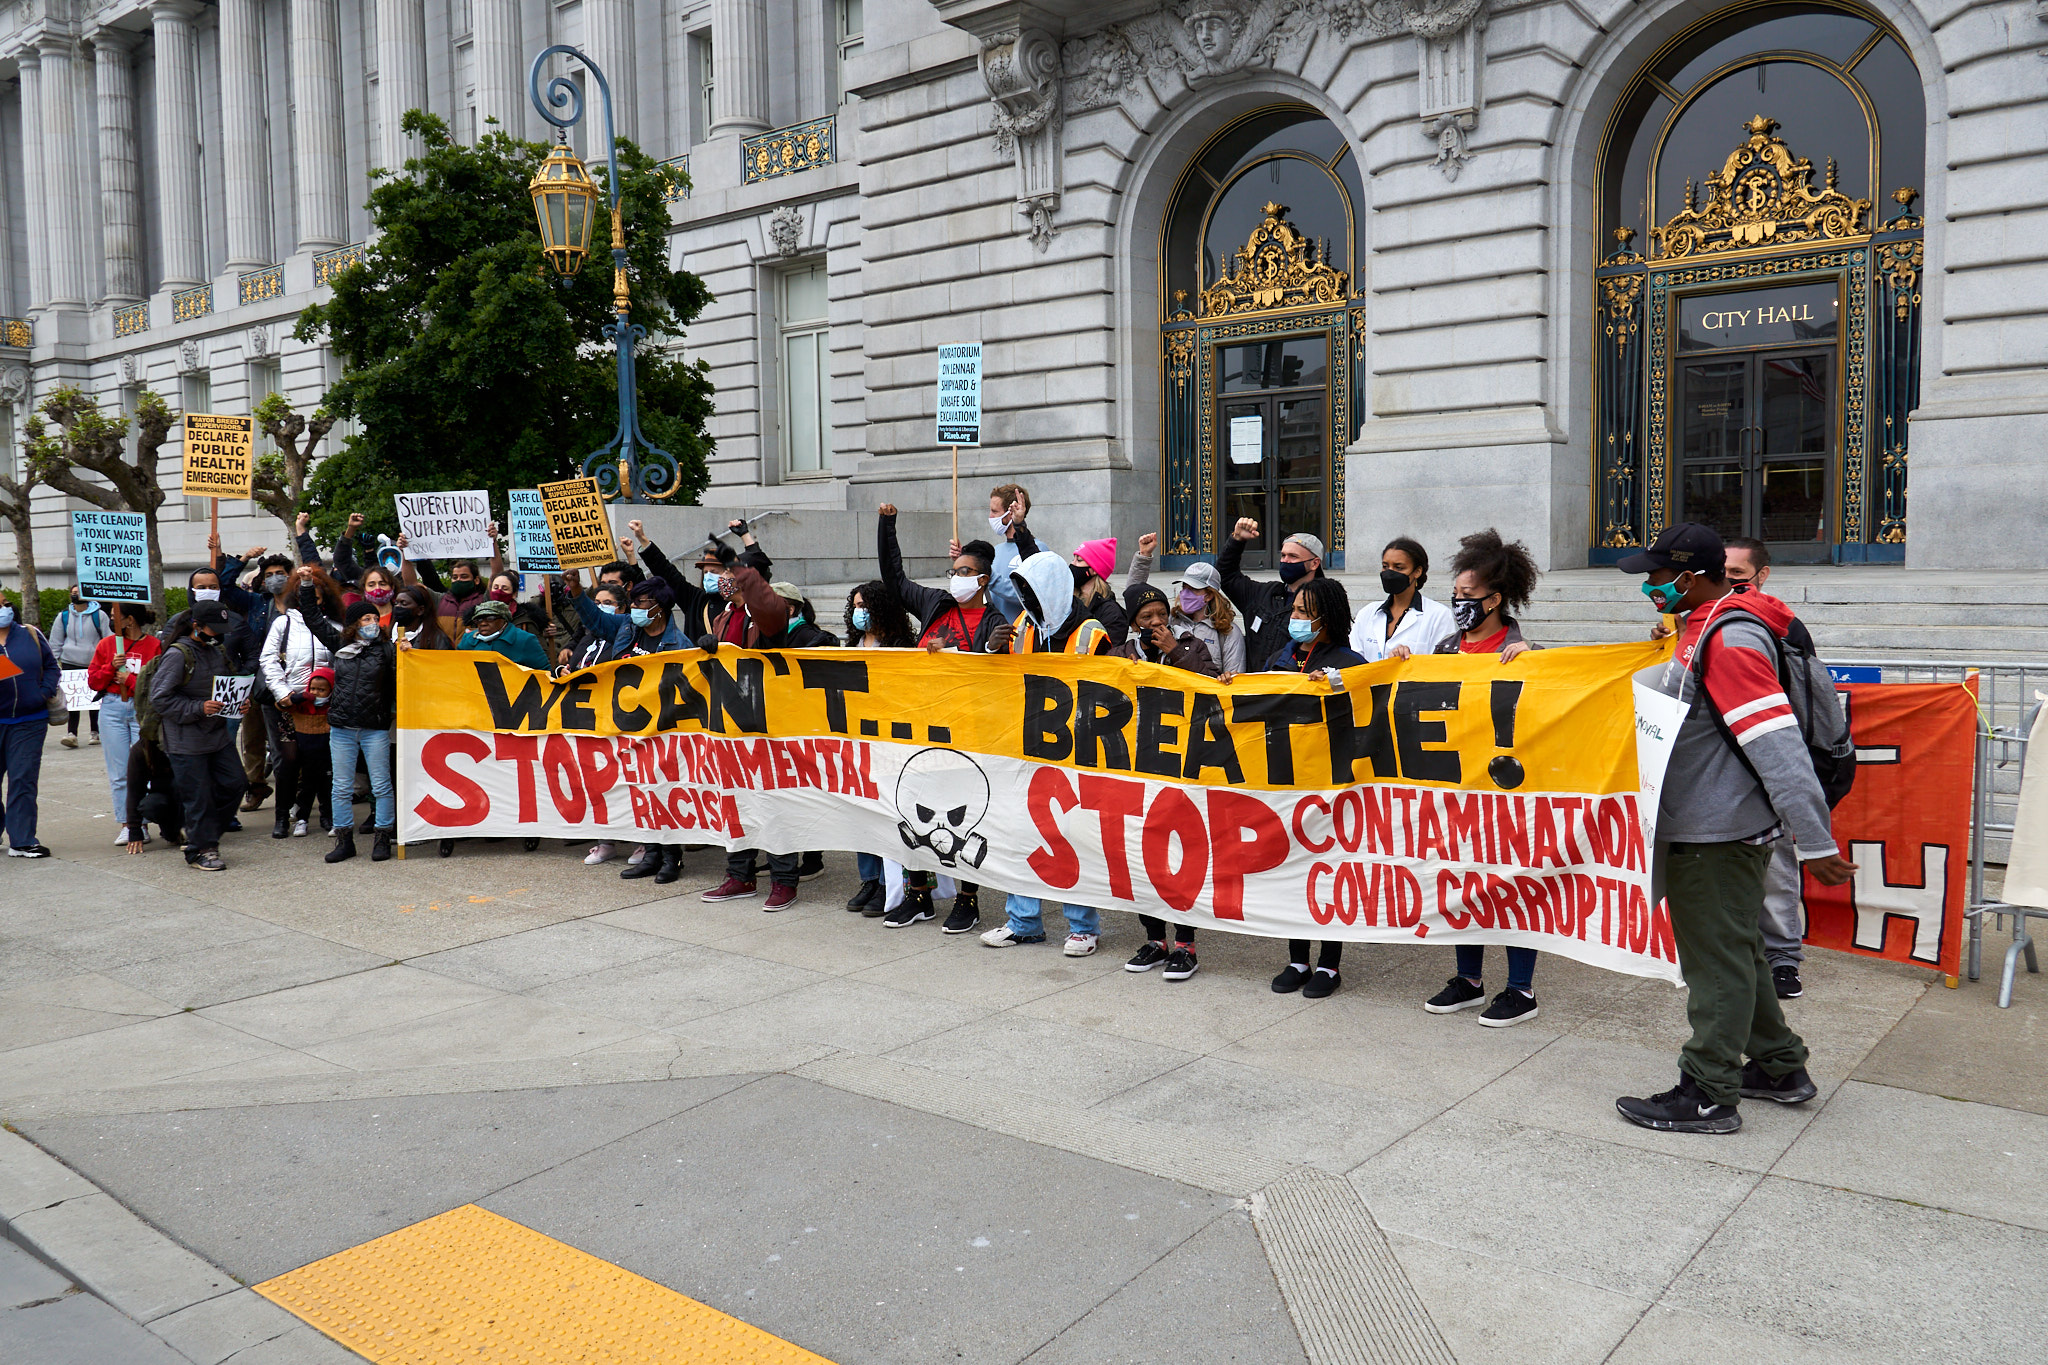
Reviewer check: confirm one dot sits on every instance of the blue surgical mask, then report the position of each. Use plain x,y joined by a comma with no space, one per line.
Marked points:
6,617
796,620
861,618
608,609
711,582
368,630
641,616
1300,631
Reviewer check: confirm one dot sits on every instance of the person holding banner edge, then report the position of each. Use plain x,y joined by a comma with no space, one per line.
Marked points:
1739,776
117,662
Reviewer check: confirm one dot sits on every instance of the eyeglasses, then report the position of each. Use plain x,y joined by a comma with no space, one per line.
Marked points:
966,573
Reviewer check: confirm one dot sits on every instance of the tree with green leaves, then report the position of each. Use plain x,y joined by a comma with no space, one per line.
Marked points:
467,363
14,510
88,439
279,480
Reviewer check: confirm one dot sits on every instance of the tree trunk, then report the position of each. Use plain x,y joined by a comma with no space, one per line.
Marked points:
156,566
25,568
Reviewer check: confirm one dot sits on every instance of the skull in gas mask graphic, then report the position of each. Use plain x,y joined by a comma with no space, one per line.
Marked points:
941,796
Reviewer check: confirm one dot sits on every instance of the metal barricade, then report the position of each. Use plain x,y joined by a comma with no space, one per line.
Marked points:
2006,708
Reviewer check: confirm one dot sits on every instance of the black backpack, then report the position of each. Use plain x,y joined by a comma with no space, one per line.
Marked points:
1816,705
149,723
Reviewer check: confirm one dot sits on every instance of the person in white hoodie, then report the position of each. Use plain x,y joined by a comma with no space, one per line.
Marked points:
290,654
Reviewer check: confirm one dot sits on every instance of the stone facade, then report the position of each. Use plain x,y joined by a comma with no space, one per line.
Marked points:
1001,171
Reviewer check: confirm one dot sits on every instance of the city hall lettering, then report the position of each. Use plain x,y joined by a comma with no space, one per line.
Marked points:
1763,316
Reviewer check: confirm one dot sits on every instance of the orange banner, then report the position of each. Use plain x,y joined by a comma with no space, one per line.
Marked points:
1906,826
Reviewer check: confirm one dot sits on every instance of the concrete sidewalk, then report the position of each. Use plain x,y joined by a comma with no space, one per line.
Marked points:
890,1145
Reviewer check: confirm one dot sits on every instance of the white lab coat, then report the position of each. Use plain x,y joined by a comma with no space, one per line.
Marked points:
1426,624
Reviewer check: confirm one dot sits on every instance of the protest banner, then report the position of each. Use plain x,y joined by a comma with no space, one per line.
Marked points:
578,523
1446,798
446,525
112,549
533,544
78,693
217,455
1906,826
231,690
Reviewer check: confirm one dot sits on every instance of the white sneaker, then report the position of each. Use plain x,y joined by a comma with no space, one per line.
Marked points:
298,829
1080,945
639,855
599,853
1001,937
95,736
121,837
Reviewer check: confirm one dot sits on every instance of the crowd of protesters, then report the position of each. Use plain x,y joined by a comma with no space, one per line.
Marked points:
1742,810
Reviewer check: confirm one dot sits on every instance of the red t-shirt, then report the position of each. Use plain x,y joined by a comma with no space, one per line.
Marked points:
1492,644
947,626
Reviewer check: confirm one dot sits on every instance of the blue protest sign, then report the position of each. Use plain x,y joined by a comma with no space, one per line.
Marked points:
113,555
533,544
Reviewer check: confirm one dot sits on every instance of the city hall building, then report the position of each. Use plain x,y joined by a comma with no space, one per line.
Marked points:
1356,267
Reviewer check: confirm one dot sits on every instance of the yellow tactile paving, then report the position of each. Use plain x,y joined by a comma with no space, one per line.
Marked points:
470,1286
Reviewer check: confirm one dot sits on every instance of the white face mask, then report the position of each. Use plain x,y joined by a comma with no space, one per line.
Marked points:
206,594
963,588
998,524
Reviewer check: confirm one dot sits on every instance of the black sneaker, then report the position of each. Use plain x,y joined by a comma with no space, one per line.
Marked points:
1457,994
813,865
1509,1008
28,851
234,827
1180,963
1320,984
1149,955
1290,980
1684,1108
966,914
208,861
917,905
1794,1087
866,892
1786,979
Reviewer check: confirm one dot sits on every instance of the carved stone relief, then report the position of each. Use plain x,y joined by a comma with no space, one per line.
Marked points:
188,357
786,230
14,384
259,341
1022,71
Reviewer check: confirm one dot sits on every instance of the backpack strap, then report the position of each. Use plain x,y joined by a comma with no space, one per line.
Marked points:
1698,668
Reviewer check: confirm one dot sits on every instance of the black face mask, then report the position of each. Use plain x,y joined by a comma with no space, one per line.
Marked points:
1393,582
404,616
1082,573
205,639
464,587
1291,571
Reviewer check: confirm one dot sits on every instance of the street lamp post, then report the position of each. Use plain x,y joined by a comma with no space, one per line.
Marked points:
629,466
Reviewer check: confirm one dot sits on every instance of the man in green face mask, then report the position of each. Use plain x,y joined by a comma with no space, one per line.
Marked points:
1739,779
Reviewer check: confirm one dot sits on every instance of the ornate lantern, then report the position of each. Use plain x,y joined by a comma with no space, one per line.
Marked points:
565,203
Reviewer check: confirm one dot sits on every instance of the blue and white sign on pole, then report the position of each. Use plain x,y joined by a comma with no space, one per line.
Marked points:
960,394
113,555
533,544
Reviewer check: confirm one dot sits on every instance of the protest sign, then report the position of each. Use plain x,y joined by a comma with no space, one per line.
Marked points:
960,394
113,555
231,690
217,455
78,693
533,545
1446,798
1906,826
446,525
578,524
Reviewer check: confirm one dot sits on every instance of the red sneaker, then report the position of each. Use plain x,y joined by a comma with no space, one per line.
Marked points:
780,897
731,889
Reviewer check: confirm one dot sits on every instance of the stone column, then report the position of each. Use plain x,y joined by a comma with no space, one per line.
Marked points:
35,224
177,144
245,151
500,73
608,38
739,56
64,213
401,77
120,165
322,196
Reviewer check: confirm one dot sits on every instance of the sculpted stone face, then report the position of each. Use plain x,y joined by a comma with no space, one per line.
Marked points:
1212,35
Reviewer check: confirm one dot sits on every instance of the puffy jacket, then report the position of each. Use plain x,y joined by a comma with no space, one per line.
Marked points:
512,642
290,654
365,674
1288,658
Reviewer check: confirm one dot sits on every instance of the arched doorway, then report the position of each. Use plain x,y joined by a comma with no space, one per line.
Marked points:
1757,359
1260,335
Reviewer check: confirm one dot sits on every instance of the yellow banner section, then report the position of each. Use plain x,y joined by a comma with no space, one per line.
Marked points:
1552,720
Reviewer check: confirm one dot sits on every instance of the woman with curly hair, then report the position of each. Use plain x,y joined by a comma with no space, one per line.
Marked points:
1493,578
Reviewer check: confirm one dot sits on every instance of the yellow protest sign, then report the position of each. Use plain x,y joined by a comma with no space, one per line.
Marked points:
577,520
217,455
1449,797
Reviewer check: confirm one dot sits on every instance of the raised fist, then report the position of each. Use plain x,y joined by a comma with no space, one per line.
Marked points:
1246,529
887,509
1148,542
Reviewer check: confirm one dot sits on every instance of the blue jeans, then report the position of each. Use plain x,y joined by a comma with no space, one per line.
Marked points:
21,749
118,734
1025,917
869,865
1521,964
375,746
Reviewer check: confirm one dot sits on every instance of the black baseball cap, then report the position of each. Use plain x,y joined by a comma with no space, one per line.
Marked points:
1687,547
210,614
